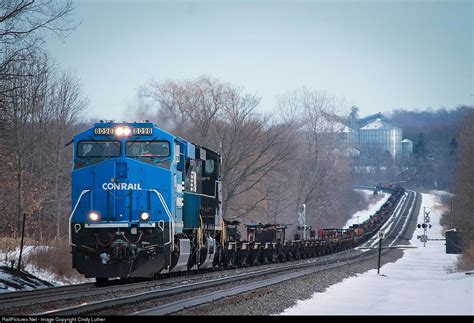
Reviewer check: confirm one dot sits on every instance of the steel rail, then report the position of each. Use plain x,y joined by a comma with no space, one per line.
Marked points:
145,296
182,304
6,298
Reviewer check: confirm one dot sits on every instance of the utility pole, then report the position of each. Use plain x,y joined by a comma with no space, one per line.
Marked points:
451,217
21,243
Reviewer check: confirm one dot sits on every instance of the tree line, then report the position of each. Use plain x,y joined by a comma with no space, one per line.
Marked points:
435,135
272,163
40,107
461,214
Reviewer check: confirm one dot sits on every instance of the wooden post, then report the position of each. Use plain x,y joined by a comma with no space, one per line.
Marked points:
22,237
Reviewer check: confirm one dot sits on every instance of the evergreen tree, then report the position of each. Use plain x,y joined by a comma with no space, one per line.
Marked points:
453,147
419,150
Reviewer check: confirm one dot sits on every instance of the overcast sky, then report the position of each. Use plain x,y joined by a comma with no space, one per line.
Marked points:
376,55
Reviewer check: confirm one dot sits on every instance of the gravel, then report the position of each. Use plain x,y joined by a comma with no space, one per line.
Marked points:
276,298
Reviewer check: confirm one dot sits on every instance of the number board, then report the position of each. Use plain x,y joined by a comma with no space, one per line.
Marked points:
142,131
109,131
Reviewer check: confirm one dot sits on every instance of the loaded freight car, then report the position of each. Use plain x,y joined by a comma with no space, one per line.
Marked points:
146,202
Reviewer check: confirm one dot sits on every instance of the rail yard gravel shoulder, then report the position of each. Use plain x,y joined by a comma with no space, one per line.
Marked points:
276,298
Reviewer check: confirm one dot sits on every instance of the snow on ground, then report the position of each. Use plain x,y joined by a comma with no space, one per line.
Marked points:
54,279
13,281
363,215
422,282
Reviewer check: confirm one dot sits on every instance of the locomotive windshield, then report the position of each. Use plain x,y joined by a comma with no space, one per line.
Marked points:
98,149
147,149
93,152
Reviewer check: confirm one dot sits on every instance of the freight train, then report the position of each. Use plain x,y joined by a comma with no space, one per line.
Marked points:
147,202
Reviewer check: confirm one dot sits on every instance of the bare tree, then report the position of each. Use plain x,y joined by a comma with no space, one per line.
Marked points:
41,112
220,116
463,204
22,27
318,174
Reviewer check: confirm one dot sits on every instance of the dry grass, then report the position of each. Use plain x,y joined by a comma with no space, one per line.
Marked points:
55,258
9,249
466,261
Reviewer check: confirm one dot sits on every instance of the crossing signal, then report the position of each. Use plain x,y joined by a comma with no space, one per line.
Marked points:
304,227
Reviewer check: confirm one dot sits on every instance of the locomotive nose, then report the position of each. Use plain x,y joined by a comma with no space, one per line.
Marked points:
121,170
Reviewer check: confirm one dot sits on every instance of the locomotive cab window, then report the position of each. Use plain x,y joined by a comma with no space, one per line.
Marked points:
93,152
148,149
154,152
98,149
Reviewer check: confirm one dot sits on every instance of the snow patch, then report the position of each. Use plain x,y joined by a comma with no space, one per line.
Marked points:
41,274
363,215
422,282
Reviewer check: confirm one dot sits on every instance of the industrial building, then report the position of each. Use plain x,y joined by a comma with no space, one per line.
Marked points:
377,139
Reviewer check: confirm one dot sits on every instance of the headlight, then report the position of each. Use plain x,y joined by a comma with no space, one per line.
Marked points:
94,216
144,216
123,131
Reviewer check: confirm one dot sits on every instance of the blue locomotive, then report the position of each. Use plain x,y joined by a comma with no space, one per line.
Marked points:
144,202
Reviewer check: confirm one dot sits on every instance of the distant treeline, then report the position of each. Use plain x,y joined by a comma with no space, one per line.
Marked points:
272,164
435,135
444,159
463,201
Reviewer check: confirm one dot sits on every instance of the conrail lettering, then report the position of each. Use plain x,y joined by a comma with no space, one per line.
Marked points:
121,186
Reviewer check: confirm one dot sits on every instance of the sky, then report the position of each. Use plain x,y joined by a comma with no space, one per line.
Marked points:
378,55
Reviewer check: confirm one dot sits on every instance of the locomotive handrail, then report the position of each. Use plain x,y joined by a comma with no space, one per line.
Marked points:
72,213
170,217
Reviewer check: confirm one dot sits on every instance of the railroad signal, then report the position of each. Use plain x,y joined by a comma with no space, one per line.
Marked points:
381,237
302,220
425,225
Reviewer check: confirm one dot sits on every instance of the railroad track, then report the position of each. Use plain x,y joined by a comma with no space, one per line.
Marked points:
398,229
211,289
26,302
30,296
